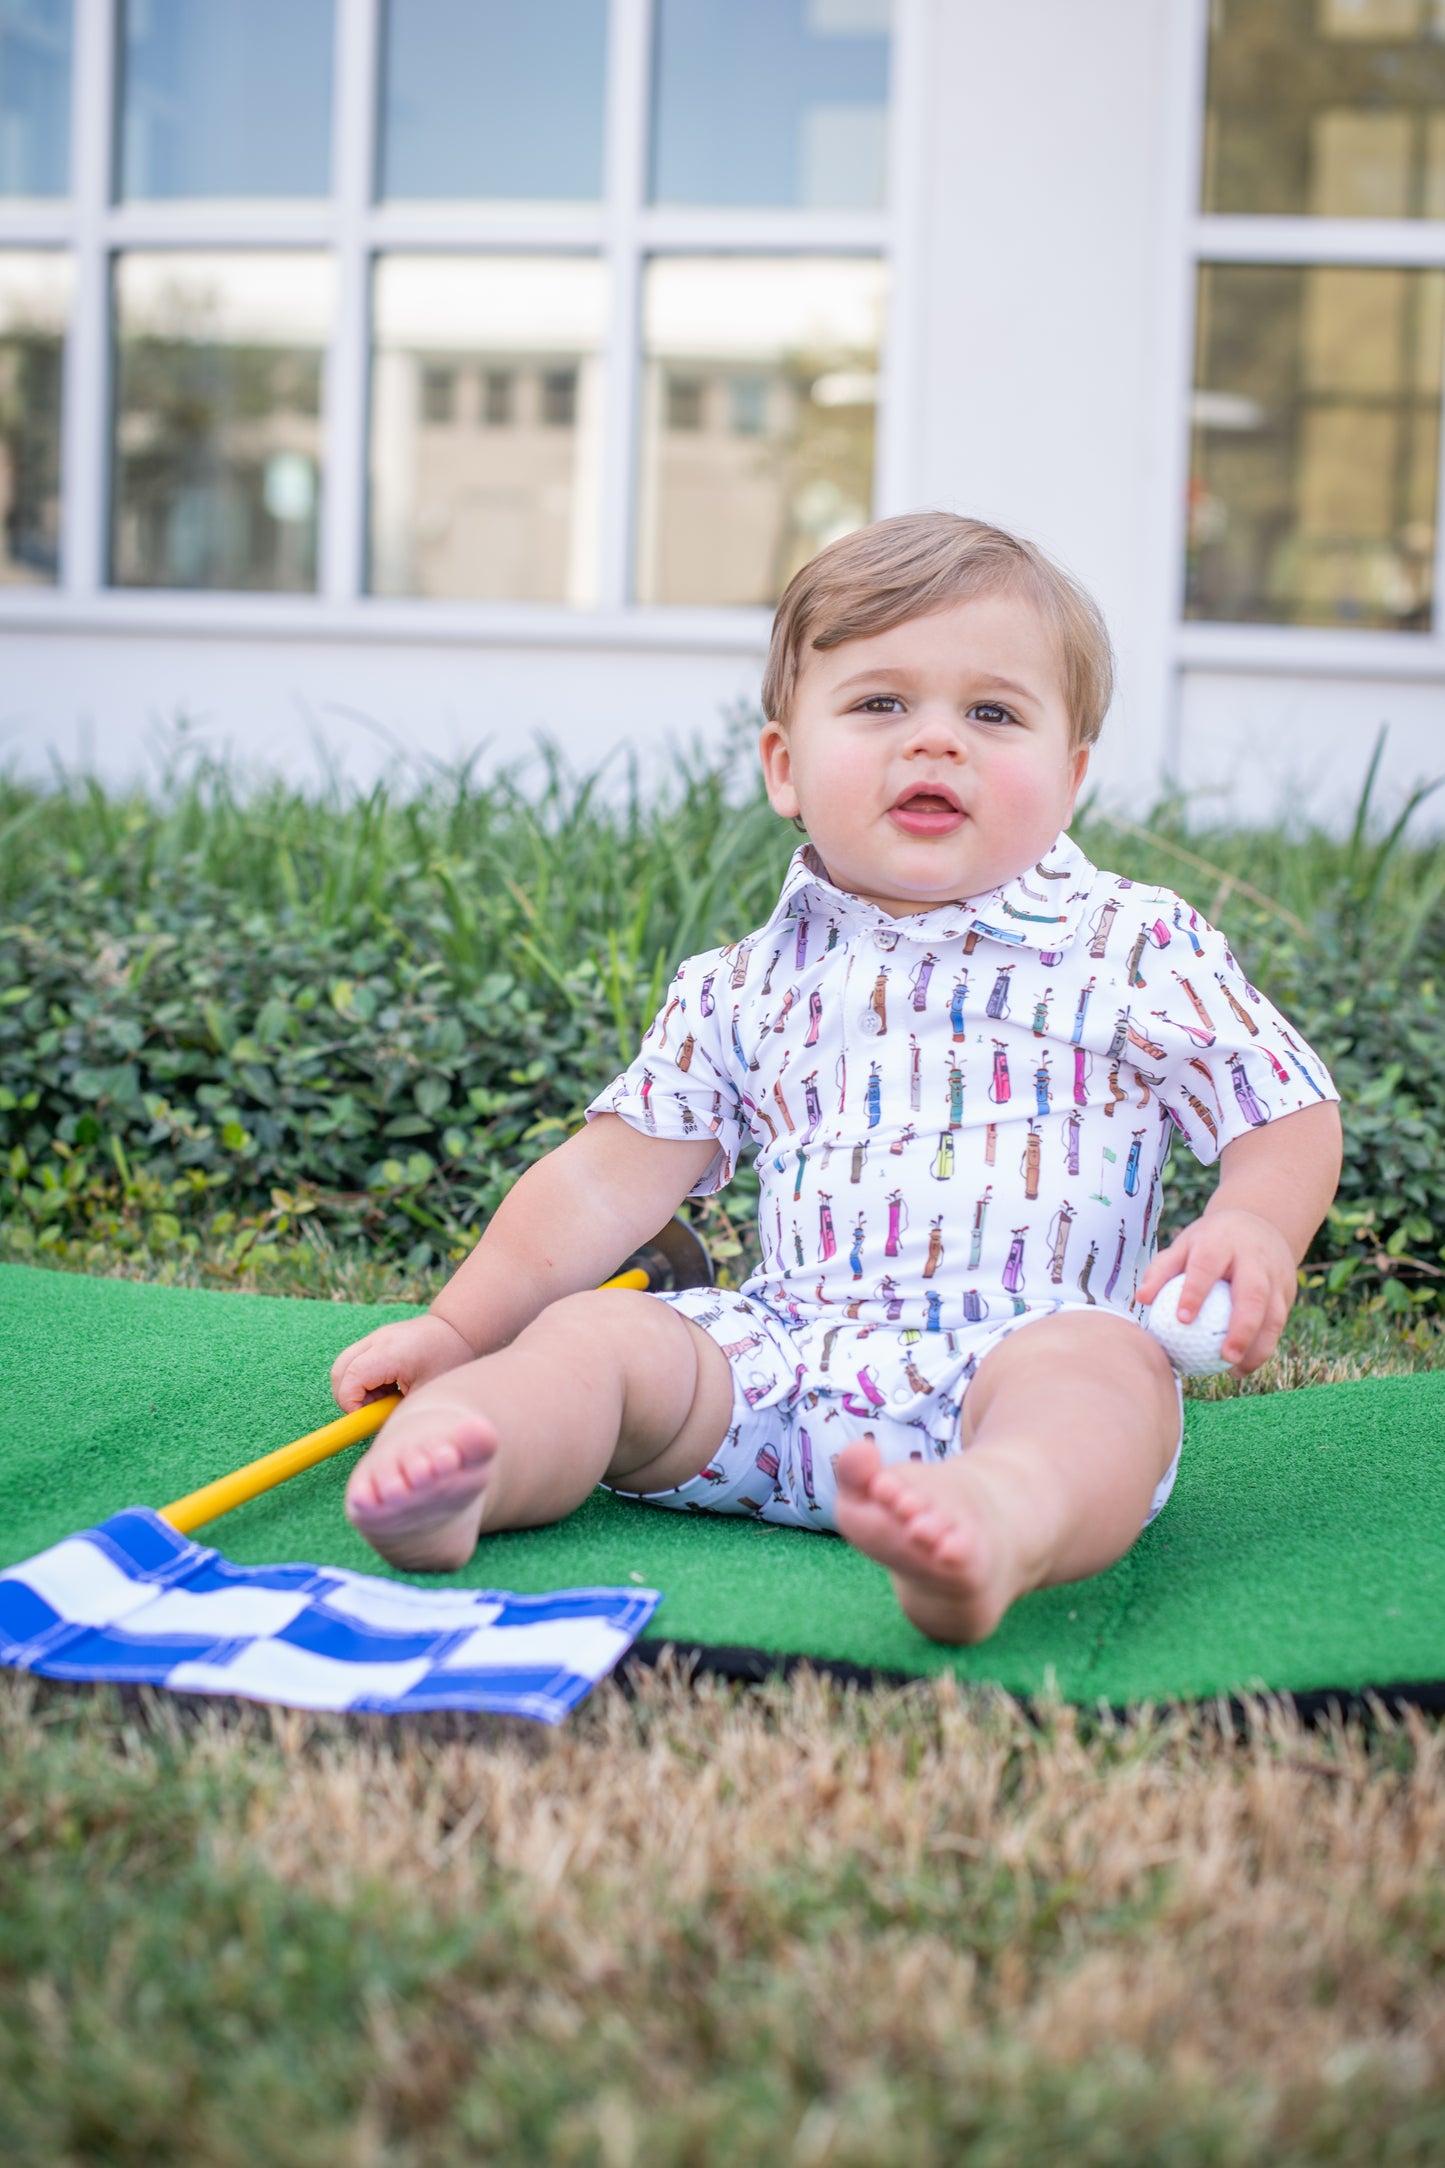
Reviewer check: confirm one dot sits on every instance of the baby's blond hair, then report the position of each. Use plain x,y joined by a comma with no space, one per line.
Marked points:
882,575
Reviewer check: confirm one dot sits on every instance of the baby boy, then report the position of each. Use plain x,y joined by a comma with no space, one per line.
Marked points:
961,1051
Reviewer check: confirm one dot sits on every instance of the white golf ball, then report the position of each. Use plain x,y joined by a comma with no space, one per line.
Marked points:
1195,1348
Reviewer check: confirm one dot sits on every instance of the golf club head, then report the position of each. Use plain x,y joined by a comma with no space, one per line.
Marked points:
675,1257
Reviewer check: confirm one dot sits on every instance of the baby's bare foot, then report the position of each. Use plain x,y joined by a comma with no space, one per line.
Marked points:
417,1495
942,1539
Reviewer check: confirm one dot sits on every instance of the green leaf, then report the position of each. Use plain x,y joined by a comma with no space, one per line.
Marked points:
432,1094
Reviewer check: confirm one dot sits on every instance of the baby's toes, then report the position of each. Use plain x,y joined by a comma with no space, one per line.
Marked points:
856,1466
926,1528
892,1491
472,1444
374,1490
362,1492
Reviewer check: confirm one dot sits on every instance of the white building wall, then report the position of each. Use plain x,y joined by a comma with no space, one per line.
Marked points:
1044,172
110,700
1047,283
1253,746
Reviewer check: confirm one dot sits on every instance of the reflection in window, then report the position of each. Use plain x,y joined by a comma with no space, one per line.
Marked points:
35,97
218,419
684,401
34,305
771,102
492,99
748,405
559,398
1316,445
1334,108
760,394
229,98
438,394
499,498
498,388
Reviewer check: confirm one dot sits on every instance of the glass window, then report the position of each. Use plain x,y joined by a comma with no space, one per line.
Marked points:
489,98
1334,108
771,102
34,306
760,391
217,456
498,498
438,395
498,394
684,401
1316,445
225,98
35,97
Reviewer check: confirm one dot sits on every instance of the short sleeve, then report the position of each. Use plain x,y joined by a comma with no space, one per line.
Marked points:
1230,1061
680,1086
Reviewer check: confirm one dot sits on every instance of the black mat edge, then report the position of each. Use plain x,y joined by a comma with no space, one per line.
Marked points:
1312,1705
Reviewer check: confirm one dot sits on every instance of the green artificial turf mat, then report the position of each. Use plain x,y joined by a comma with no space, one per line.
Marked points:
1301,1549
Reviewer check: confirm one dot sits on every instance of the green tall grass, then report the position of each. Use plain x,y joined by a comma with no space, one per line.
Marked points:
543,864
530,871
473,955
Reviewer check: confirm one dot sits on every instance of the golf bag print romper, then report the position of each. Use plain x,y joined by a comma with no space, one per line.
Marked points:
961,1118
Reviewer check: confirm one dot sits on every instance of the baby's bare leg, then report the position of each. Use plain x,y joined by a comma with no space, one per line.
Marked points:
607,1384
1067,1429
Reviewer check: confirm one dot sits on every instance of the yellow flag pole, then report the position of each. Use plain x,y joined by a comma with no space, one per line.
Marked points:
237,1489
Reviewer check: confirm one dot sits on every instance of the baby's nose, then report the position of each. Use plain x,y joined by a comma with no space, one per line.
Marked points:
937,730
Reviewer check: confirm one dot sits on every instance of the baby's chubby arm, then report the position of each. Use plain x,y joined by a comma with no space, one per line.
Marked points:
566,1224
1275,1187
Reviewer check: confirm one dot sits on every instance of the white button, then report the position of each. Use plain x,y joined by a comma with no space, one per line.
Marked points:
885,937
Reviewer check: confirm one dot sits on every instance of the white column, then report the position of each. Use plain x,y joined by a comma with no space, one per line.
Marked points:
354,105
629,132
84,426
1157,669
899,485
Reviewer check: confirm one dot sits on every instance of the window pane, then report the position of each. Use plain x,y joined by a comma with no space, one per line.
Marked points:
34,306
1316,445
771,102
226,98
760,392
1328,107
218,419
34,97
489,488
489,98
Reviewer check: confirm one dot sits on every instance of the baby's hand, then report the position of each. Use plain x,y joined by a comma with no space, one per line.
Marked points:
1251,1253
399,1356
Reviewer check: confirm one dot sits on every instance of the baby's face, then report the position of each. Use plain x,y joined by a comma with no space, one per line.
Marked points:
933,760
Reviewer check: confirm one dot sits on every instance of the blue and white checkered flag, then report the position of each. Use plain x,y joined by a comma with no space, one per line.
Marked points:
132,1600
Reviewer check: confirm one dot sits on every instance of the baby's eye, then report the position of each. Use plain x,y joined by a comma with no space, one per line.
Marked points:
881,704
989,711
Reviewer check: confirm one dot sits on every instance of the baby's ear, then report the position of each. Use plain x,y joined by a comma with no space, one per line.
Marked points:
777,761
1080,759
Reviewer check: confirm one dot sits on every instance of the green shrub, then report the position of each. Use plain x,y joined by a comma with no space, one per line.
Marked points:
1347,937
237,1015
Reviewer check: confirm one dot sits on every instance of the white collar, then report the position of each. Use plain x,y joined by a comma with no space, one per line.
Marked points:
1040,909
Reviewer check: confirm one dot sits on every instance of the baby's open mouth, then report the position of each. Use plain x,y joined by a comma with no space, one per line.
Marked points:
927,813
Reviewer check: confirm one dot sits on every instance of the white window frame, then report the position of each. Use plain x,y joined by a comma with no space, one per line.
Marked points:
354,229
1203,238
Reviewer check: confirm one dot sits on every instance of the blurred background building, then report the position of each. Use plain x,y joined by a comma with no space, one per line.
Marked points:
407,374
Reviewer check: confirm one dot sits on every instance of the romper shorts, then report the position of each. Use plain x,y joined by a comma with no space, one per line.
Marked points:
789,1419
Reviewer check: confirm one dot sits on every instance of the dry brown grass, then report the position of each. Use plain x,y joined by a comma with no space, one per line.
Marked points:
807,1924
710,1926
